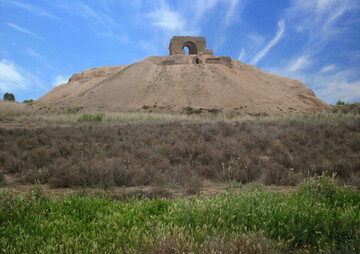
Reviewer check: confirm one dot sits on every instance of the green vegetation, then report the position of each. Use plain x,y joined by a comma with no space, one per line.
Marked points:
340,103
28,101
9,97
96,117
347,108
321,215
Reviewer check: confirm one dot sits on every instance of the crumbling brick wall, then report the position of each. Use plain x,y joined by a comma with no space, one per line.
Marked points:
196,45
219,60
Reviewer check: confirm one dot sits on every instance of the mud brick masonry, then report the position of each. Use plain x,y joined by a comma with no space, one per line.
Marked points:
196,45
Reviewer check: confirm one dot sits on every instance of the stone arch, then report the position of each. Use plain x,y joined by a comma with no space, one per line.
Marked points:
191,46
196,45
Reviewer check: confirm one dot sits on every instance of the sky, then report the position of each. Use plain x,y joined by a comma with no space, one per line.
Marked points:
42,42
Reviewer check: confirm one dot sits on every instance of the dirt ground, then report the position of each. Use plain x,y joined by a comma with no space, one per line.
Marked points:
208,188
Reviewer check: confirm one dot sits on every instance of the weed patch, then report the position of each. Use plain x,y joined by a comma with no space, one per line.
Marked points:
253,221
98,117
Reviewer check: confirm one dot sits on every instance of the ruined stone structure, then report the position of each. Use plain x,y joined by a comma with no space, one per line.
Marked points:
198,54
219,60
196,45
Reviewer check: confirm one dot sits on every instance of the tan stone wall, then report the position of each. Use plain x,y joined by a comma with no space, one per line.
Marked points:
196,59
196,45
219,60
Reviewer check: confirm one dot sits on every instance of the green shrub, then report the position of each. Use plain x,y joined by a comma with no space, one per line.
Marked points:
98,117
321,187
28,101
339,103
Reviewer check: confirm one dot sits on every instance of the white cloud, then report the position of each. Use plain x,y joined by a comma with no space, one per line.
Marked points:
337,86
252,43
14,78
102,23
292,68
98,16
319,19
35,54
33,9
235,8
8,71
170,21
23,30
189,21
202,6
189,18
166,19
94,16
241,55
40,57
328,68
329,86
60,79
301,62
257,39
272,43
107,4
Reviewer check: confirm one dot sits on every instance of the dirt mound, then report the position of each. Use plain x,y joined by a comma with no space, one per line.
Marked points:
175,82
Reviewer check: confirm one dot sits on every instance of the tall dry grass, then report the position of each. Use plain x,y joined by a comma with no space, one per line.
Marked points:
15,109
24,112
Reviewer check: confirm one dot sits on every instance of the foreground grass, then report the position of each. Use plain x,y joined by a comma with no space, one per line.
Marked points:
320,215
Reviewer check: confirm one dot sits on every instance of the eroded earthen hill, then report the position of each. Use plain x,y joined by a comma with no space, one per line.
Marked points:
199,80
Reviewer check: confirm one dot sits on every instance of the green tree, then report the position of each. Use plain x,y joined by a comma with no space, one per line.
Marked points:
9,97
340,103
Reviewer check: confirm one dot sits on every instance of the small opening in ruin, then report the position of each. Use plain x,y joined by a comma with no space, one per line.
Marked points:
186,50
197,61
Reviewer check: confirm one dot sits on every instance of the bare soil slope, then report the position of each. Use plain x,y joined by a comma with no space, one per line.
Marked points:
175,82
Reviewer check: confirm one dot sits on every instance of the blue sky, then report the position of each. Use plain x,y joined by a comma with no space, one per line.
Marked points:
42,42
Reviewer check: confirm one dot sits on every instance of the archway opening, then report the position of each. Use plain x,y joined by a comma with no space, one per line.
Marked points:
186,51
191,46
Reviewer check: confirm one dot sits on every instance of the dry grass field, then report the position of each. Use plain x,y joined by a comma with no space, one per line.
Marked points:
109,149
178,153
202,180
